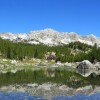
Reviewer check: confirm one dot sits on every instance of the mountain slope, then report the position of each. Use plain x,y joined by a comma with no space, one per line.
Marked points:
50,37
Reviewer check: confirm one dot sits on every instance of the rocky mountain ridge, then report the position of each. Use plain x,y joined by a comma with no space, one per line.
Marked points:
50,37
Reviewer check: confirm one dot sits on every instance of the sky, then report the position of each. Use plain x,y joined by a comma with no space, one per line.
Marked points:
22,16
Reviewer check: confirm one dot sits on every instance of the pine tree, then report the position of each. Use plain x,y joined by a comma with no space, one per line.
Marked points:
8,52
35,54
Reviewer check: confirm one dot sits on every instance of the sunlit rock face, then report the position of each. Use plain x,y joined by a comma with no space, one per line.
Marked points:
85,65
50,37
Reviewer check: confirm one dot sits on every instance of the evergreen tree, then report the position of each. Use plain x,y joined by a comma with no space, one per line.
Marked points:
35,54
8,52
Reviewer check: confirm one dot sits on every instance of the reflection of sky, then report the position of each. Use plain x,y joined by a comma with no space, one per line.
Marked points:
95,96
24,96
17,96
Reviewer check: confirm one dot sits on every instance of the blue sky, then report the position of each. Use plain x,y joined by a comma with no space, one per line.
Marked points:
81,16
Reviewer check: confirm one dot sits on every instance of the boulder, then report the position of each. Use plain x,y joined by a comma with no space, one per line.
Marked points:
85,65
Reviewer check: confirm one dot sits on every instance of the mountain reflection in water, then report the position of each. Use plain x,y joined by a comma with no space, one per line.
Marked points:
57,84
24,96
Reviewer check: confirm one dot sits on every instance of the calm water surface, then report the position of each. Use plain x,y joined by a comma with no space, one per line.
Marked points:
29,76
24,96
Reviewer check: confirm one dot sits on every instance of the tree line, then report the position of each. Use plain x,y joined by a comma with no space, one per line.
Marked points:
20,51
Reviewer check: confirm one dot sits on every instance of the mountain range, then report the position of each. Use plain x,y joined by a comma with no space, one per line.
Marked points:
50,37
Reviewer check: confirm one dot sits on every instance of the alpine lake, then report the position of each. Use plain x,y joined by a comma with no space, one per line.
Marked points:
59,83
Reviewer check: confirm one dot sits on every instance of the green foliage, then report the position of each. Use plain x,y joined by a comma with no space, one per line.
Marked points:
36,54
65,53
79,46
21,50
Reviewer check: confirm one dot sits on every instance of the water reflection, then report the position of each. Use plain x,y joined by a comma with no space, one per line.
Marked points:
84,72
95,96
24,96
18,96
87,72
